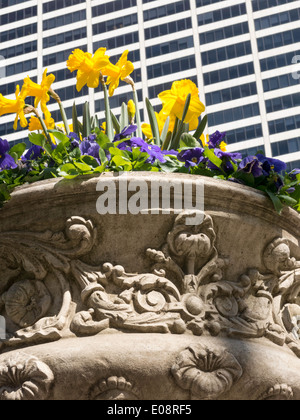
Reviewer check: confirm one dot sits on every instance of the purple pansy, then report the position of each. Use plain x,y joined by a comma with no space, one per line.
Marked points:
271,165
90,148
6,161
126,132
294,173
251,165
75,140
216,139
33,153
227,159
192,157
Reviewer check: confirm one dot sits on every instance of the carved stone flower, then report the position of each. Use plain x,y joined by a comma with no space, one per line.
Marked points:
24,377
206,373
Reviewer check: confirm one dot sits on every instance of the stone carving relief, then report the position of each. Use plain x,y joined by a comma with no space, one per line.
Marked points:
207,373
114,389
24,377
186,292
278,392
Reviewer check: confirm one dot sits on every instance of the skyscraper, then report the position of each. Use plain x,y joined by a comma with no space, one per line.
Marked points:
240,53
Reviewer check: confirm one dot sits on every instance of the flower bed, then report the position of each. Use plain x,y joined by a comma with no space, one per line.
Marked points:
165,145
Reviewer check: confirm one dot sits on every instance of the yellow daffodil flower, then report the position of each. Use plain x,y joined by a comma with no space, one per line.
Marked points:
40,92
88,67
121,70
35,124
131,108
161,120
174,100
10,106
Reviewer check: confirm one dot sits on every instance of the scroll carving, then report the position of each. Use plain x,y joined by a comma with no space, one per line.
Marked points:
30,263
186,292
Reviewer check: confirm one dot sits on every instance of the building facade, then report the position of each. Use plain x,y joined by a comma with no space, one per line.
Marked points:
244,56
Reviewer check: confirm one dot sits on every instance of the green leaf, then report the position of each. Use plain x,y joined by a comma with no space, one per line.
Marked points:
76,126
209,153
188,141
201,128
82,166
153,122
288,200
87,126
181,126
37,139
276,201
68,171
102,155
116,123
18,150
61,137
123,117
165,130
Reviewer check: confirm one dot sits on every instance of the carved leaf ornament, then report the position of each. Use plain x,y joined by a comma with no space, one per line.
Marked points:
186,291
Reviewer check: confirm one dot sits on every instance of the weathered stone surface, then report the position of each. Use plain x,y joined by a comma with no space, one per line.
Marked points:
149,306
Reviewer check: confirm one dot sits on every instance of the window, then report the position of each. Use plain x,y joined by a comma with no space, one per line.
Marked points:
223,33
226,53
234,114
168,28
169,67
168,47
112,6
110,25
167,10
222,14
64,38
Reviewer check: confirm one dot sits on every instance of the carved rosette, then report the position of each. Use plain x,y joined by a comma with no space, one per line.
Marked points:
114,388
24,377
206,373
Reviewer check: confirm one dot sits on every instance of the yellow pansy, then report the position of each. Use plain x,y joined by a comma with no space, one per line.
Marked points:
174,101
10,106
118,72
40,92
88,67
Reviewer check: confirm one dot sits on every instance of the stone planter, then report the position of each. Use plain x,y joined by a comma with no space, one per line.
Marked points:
147,306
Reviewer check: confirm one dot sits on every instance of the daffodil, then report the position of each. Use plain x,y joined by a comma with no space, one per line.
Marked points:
161,120
10,106
88,67
174,101
118,72
35,124
40,92
131,110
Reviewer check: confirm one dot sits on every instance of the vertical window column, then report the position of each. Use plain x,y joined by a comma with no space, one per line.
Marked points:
200,77
257,70
90,49
144,76
39,41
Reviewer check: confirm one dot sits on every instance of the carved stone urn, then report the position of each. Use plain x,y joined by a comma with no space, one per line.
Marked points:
172,302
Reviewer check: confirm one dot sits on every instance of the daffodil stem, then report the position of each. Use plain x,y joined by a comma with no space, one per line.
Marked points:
109,123
45,129
137,115
64,117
